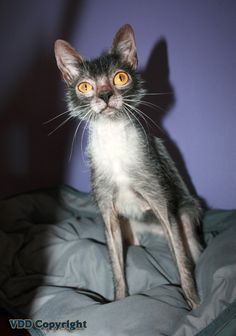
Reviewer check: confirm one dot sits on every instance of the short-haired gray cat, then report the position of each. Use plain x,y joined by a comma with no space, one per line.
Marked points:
133,177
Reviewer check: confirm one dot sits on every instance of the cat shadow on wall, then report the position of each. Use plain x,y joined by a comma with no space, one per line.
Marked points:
156,78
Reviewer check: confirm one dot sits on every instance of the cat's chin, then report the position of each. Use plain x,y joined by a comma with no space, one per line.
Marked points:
108,111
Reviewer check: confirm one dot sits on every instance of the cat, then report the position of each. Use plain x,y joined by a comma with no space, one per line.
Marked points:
133,177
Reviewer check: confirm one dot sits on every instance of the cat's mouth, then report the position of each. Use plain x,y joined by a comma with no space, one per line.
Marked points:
108,110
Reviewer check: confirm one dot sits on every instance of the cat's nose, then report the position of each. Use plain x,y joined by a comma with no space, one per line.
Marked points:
105,96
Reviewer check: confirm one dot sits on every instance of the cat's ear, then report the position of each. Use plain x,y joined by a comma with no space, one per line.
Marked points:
124,44
68,61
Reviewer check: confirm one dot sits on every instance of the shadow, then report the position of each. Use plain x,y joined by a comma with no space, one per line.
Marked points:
29,158
156,77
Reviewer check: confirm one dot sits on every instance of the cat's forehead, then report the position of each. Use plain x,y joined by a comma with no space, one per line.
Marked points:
102,66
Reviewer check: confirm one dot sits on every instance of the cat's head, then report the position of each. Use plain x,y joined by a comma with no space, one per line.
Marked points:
106,87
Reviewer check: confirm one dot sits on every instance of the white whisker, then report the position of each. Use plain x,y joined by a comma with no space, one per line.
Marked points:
139,124
63,123
74,137
57,116
158,93
144,116
73,141
146,103
149,104
153,94
138,112
126,110
81,143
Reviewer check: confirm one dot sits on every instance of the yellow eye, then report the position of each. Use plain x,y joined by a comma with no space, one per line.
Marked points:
85,87
121,78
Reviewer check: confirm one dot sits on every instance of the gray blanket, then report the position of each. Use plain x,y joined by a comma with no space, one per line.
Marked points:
54,267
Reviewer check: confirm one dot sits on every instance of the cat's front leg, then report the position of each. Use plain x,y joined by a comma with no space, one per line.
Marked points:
115,249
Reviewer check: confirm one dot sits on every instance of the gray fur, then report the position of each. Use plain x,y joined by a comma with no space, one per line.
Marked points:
132,173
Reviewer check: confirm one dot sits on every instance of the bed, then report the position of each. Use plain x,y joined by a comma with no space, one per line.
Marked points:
54,267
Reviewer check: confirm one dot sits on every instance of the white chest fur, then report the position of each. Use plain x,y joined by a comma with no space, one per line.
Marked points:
116,152
114,146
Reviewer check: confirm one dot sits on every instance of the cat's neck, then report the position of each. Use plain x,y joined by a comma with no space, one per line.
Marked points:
109,125
112,135
113,147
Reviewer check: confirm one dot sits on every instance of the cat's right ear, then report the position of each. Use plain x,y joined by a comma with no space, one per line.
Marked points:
68,61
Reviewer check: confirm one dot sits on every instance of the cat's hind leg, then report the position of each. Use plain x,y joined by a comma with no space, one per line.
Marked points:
189,217
174,235
184,262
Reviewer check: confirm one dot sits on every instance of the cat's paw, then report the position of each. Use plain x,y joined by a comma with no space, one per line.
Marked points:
193,301
120,291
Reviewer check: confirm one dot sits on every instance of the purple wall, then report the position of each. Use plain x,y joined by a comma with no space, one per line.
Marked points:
188,47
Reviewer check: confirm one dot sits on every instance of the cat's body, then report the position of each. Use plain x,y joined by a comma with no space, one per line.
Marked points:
133,177
130,171
115,149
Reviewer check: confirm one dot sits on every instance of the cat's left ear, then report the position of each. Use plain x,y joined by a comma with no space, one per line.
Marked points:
124,45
